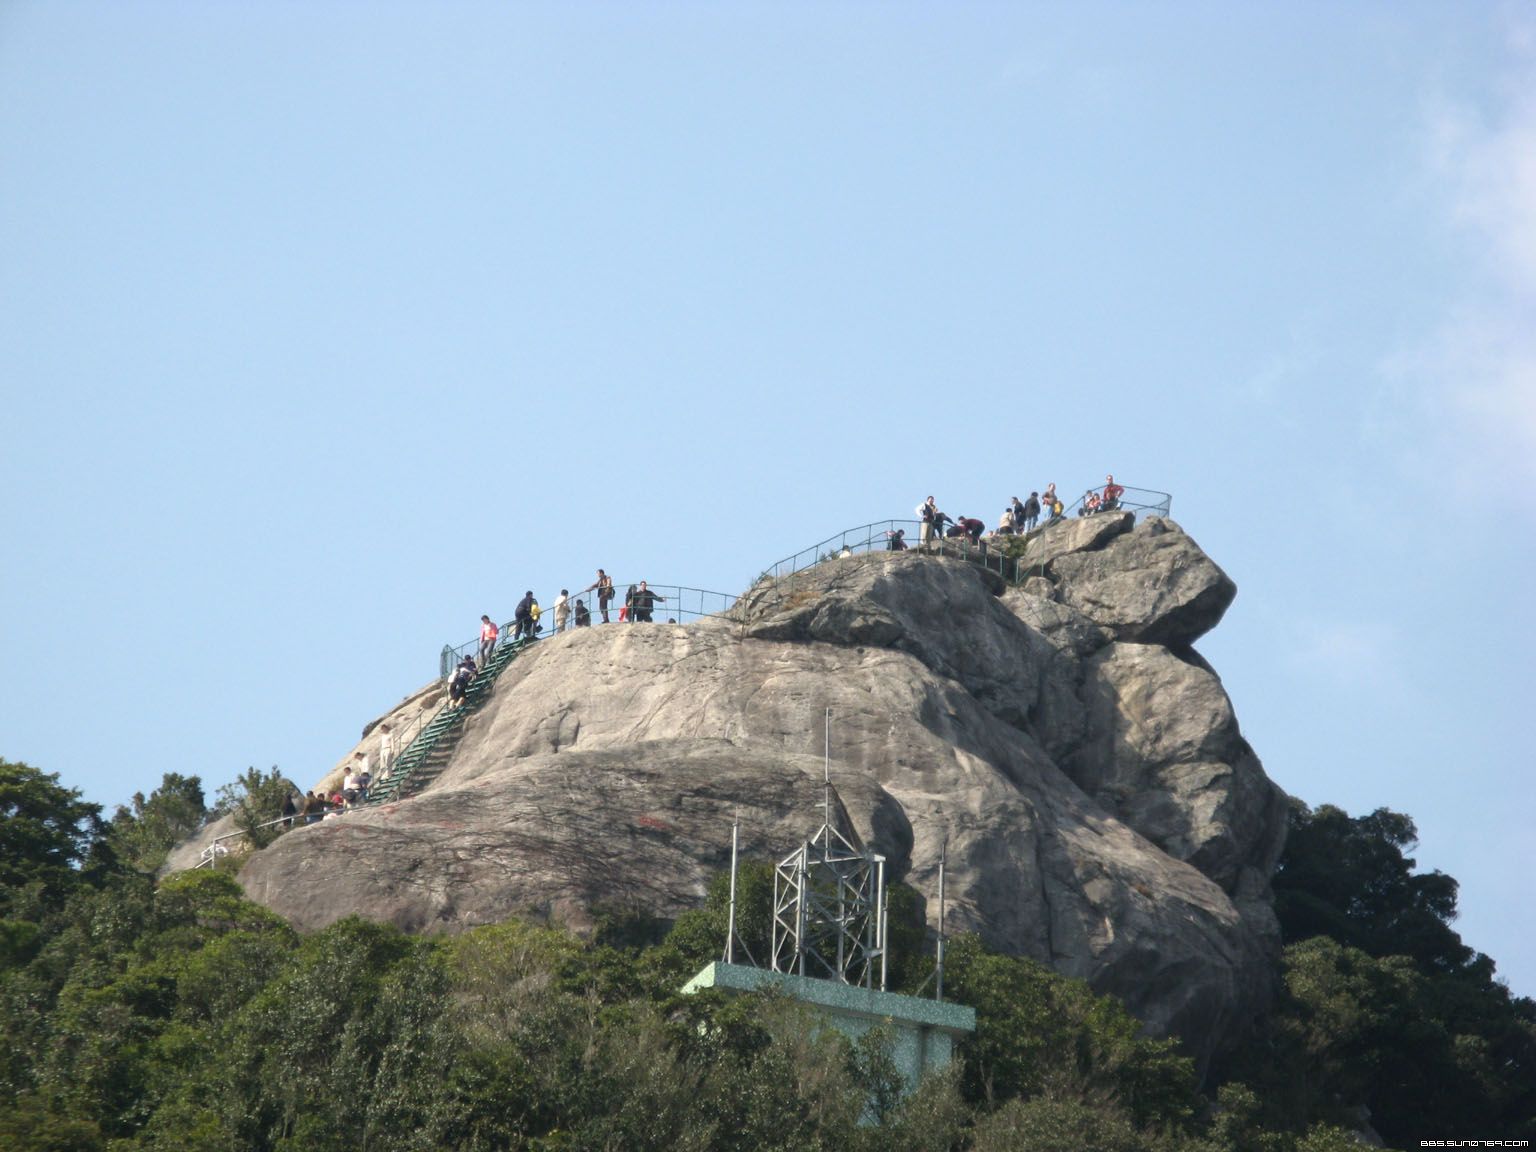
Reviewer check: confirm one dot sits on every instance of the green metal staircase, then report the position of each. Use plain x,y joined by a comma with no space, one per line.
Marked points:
424,757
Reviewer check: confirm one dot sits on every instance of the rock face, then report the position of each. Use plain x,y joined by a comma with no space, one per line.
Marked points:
1078,764
1151,585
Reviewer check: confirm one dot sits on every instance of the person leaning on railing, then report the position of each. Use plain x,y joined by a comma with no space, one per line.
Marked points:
642,603
604,587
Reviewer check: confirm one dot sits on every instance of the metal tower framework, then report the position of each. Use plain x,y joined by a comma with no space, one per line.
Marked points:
829,908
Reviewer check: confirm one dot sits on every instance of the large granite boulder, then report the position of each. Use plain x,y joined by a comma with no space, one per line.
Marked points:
1088,788
1164,755
1153,585
938,609
1077,534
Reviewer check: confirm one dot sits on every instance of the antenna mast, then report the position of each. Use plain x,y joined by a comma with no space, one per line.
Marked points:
730,929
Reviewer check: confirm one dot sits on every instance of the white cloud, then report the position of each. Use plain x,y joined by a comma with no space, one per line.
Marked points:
1472,379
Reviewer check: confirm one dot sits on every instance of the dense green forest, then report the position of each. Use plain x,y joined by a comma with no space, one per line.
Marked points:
179,1015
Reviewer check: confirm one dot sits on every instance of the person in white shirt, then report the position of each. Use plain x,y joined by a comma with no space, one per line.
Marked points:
562,609
352,784
386,750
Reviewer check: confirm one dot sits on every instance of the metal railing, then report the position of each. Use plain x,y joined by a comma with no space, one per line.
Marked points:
674,604
991,551
677,603
218,846
877,537
400,738
1142,501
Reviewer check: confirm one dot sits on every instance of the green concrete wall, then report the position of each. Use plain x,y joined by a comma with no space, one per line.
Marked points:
923,1032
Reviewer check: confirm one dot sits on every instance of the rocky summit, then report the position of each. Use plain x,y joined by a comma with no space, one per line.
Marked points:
1059,741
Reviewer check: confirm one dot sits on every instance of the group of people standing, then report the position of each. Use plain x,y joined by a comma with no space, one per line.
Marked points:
639,603
1019,516
312,807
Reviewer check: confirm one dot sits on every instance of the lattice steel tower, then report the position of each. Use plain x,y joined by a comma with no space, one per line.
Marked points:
829,904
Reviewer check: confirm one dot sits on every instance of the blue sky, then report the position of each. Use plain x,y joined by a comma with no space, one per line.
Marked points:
326,327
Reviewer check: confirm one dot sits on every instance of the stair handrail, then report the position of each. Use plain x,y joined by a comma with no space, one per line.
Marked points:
216,847
403,738
386,787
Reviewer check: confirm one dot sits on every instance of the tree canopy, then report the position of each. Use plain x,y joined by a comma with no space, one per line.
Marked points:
179,1015
1349,878
1383,1008
46,832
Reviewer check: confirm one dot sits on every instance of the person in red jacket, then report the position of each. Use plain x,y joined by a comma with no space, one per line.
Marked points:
972,527
1112,493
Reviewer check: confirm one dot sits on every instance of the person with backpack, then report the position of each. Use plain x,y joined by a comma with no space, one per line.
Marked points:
604,587
522,619
1051,503
458,686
